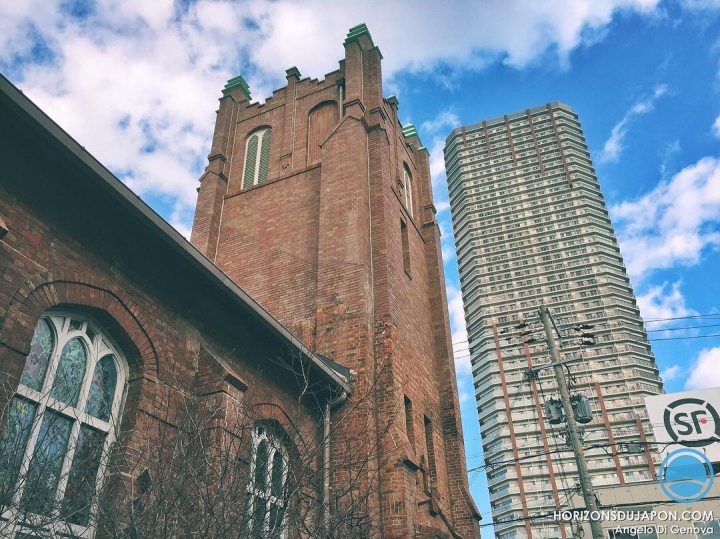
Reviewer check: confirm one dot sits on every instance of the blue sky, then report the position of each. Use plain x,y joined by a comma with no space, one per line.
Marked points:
137,84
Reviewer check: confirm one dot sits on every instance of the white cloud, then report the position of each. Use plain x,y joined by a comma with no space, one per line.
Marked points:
613,146
671,373
446,118
440,189
442,205
298,33
705,371
674,223
136,82
437,170
447,240
459,331
659,304
136,86
668,154
716,127
701,4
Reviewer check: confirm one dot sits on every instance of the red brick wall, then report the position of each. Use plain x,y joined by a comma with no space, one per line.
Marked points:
321,249
271,258
321,120
66,249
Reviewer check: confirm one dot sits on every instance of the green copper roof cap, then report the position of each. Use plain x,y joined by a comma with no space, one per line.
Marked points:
237,82
357,31
409,131
293,71
393,100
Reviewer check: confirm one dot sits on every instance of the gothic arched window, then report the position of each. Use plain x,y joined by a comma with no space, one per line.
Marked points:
267,487
257,158
407,179
60,424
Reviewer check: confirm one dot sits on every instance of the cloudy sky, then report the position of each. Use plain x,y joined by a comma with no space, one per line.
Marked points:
136,82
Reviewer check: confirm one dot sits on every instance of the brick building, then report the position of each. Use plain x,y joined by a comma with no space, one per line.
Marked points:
316,205
87,269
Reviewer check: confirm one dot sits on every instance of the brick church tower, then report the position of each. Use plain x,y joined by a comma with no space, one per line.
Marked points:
318,203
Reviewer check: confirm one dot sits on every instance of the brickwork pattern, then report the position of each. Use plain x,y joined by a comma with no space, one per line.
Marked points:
320,247
65,251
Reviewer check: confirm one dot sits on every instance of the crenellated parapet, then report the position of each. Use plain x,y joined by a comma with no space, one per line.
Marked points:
322,211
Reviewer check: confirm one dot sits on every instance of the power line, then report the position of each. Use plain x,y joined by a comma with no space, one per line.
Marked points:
655,320
685,328
708,315
685,338
518,459
689,337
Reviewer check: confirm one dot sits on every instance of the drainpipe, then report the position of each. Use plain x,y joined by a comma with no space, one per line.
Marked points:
341,90
326,458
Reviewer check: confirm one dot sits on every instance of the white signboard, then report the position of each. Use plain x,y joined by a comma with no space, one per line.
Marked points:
688,418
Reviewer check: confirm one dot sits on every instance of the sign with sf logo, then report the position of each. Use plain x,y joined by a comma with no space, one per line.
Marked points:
687,419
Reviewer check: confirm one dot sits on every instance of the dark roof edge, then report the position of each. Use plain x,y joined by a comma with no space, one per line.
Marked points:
511,116
163,230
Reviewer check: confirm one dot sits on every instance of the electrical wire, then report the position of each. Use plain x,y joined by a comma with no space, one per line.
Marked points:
689,337
689,317
654,320
686,328
685,338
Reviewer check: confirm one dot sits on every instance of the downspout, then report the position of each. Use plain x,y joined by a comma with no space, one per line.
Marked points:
341,89
231,128
376,375
326,469
292,137
326,458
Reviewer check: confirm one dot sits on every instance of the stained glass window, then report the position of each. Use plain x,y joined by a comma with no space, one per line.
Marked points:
51,450
75,325
102,389
15,437
83,473
70,372
267,489
40,350
43,475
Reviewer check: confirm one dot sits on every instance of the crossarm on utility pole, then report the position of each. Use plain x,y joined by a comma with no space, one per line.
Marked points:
573,432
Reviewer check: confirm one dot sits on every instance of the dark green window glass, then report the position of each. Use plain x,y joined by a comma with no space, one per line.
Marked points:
43,474
70,372
12,446
36,363
102,389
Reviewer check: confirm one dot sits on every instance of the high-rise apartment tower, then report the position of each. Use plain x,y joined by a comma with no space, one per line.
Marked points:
531,228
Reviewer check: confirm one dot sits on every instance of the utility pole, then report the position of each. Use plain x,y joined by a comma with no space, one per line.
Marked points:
573,432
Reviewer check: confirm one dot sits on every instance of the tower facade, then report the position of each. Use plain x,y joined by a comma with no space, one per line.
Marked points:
318,203
531,228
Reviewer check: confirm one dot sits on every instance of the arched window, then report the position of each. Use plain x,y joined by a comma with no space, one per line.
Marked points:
60,424
267,492
257,158
407,179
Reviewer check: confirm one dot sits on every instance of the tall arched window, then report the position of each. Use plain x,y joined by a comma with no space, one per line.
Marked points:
407,179
60,424
267,492
257,158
